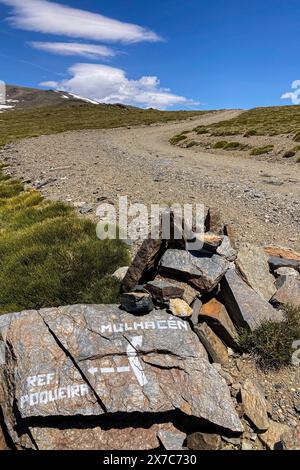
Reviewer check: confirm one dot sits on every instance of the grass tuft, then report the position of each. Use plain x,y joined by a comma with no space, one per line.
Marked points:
51,257
271,344
262,150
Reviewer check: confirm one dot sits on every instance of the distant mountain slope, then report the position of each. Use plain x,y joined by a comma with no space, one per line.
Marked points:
27,98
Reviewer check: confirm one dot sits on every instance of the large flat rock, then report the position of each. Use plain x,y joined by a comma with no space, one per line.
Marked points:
202,271
252,262
246,308
63,367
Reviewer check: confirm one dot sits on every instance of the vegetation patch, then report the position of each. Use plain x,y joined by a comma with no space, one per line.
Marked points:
262,150
178,138
223,144
192,143
261,121
271,344
20,124
49,256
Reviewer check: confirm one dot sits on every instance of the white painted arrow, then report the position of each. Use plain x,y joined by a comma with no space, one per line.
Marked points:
134,360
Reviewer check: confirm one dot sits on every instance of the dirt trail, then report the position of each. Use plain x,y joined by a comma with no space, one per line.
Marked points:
260,198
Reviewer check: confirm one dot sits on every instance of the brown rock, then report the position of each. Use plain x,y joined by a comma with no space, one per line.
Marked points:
188,293
271,438
180,308
282,252
216,316
255,406
290,440
214,346
202,441
253,264
3,444
229,232
145,261
213,222
95,438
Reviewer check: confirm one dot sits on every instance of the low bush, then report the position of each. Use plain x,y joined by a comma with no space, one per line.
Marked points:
177,138
192,143
271,343
220,145
262,150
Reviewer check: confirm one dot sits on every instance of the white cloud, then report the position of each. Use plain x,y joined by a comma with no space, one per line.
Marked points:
91,51
294,96
48,17
110,85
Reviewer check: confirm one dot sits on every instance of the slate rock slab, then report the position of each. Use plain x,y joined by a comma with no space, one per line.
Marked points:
202,271
276,262
69,365
216,316
253,264
254,405
214,346
246,308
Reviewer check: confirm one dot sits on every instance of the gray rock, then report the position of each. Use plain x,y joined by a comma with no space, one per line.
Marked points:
226,250
171,439
287,272
202,271
162,291
214,346
276,262
196,306
97,361
137,302
120,273
246,308
86,209
252,262
288,291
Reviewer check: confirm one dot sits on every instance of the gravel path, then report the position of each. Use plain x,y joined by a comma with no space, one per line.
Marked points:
261,199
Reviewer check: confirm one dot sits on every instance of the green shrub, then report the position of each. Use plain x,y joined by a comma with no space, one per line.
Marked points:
178,138
51,257
192,143
271,343
220,145
297,137
289,154
234,146
202,130
250,133
298,160
262,150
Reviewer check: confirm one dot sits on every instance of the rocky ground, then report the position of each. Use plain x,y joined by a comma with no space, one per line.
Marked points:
260,198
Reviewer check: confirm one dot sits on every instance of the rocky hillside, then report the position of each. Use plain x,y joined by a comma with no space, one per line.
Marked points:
24,98
163,370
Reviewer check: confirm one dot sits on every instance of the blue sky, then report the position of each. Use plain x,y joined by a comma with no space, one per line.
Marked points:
165,53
